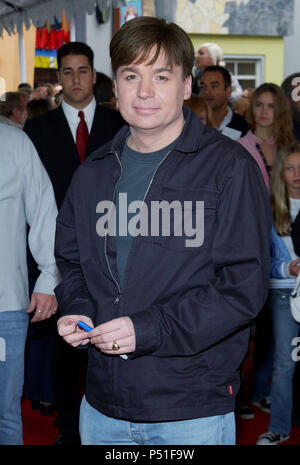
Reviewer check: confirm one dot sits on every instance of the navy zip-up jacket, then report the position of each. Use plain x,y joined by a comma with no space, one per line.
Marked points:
191,306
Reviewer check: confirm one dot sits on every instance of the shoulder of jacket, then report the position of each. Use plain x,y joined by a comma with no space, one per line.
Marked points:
44,119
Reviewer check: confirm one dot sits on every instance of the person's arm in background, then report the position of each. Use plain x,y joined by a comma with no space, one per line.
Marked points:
41,212
281,266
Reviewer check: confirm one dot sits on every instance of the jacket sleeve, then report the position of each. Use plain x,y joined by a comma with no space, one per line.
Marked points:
41,212
238,285
31,133
72,294
280,258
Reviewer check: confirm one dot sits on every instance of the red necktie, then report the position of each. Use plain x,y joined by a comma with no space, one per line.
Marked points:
82,135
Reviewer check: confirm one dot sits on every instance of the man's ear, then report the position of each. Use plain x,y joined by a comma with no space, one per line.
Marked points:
94,76
188,87
16,115
228,91
115,89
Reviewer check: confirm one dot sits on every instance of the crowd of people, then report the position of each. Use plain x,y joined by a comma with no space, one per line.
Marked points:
169,325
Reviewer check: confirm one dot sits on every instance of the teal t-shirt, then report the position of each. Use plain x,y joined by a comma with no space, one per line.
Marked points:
137,171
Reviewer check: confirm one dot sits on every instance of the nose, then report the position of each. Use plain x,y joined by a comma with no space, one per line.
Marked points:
145,88
75,76
197,61
205,92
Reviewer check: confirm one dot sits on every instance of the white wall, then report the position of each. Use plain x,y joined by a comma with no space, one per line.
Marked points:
291,45
98,37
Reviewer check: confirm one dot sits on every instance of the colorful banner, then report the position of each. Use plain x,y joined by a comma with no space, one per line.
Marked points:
48,40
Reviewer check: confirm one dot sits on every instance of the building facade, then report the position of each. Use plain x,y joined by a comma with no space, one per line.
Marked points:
260,38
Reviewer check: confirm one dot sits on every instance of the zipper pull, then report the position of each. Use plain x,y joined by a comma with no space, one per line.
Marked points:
117,299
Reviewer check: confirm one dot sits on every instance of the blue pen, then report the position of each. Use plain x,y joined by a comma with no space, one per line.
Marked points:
84,326
88,328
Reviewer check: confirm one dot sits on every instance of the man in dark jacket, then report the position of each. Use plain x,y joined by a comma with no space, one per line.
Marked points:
166,258
215,89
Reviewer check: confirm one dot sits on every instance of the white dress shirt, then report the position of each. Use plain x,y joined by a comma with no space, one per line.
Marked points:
26,197
224,129
71,113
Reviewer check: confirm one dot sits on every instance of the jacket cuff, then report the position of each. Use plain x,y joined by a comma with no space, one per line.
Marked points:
47,281
146,335
285,270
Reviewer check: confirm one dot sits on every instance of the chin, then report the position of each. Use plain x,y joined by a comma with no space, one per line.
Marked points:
142,123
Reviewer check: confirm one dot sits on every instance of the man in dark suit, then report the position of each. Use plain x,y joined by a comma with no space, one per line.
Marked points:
63,138
54,133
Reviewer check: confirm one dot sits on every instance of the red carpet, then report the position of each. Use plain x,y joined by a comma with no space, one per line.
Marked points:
249,430
39,430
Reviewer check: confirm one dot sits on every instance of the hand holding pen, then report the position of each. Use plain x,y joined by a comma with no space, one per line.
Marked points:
75,329
68,328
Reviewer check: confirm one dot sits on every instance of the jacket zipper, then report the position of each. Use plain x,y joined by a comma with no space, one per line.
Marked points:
158,166
118,297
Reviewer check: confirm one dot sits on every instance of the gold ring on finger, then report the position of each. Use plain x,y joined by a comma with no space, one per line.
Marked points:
115,346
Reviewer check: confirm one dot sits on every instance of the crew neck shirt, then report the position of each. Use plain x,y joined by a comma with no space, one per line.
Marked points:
138,170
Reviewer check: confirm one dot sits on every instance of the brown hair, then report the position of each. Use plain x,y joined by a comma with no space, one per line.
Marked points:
38,107
137,37
12,100
198,105
279,193
75,48
283,125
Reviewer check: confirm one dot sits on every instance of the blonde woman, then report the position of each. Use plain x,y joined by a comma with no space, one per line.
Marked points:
285,200
271,126
211,54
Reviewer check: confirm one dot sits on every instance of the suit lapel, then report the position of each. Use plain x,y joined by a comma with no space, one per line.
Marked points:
94,136
65,135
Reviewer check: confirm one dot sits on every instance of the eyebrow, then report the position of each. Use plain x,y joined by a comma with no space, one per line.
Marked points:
133,69
69,68
267,103
210,82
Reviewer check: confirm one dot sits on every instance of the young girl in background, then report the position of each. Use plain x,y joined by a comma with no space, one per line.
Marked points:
271,128
285,200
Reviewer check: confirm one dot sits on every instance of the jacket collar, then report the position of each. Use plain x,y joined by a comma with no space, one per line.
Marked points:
188,141
191,135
